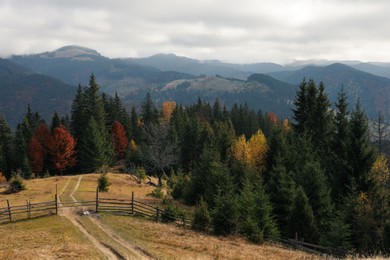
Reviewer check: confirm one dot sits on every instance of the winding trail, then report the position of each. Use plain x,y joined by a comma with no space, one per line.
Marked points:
106,250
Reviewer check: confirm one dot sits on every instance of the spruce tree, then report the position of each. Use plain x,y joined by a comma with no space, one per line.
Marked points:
302,223
301,110
361,153
341,178
149,112
55,122
281,189
92,155
6,140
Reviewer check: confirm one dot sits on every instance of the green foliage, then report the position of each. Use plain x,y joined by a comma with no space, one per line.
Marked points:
202,219
16,184
157,193
171,213
103,183
225,215
179,184
302,221
141,173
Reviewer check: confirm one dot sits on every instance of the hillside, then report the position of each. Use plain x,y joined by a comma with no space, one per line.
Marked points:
260,92
20,86
171,62
58,237
74,65
372,90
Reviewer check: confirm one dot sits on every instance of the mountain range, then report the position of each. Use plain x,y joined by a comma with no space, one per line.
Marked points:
47,81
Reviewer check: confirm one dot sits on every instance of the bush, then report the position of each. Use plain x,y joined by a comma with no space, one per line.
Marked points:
202,219
156,193
16,184
171,213
141,173
103,183
251,231
103,169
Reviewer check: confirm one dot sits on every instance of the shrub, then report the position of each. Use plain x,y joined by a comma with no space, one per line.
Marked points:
202,219
171,213
141,173
157,193
251,230
103,183
16,184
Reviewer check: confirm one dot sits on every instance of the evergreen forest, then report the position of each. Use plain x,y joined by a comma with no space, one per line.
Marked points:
317,177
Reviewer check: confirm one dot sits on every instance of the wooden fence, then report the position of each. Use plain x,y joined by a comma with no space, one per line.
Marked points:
108,205
132,207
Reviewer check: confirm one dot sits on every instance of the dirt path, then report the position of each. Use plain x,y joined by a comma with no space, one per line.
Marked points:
69,214
108,251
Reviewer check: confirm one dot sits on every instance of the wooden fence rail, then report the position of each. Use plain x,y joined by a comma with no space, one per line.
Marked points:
109,205
131,207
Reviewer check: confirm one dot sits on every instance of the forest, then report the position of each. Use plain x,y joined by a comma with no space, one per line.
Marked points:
317,177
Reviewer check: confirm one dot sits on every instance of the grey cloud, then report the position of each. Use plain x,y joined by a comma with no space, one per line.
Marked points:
241,31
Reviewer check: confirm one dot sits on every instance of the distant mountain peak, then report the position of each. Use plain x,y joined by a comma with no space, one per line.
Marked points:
73,52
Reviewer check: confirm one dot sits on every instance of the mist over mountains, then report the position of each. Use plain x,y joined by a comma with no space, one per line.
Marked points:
47,81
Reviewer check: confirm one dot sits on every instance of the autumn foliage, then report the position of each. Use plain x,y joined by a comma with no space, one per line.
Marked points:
167,109
251,152
62,149
38,148
120,139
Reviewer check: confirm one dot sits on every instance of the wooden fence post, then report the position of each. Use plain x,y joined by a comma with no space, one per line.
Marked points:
97,200
157,214
132,202
9,211
56,201
28,209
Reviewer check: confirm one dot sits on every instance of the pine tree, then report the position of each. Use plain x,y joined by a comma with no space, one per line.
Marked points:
301,109
361,153
55,122
302,222
6,142
281,188
341,173
78,117
92,156
148,109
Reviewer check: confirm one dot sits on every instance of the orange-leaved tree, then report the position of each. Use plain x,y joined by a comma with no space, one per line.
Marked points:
120,139
167,109
62,149
38,148
36,155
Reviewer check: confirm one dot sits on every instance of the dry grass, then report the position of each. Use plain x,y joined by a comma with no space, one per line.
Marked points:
44,238
55,237
121,187
171,242
38,190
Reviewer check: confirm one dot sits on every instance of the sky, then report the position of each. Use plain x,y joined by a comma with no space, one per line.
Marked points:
243,31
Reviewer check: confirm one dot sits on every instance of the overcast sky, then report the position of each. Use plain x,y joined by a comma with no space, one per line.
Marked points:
229,30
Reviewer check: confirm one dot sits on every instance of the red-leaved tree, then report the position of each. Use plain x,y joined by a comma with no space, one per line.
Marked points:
120,139
37,155
38,148
62,149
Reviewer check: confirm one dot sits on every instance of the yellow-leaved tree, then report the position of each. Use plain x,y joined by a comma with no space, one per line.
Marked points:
258,148
252,152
